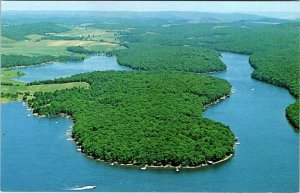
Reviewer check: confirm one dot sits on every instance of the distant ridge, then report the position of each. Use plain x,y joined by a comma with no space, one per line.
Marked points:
76,17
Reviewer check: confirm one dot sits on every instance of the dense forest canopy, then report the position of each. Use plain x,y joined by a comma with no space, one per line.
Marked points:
292,113
143,118
278,66
178,58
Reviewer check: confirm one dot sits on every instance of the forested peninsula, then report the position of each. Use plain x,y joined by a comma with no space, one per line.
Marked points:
151,57
143,118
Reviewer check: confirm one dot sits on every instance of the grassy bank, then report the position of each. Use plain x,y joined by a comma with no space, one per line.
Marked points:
14,90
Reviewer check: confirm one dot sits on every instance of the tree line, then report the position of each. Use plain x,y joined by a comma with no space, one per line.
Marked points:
8,61
80,50
18,32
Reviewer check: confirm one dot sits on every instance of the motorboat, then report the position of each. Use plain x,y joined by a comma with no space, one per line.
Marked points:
144,168
84,188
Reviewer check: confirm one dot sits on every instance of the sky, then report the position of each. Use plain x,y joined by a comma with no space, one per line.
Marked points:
200,6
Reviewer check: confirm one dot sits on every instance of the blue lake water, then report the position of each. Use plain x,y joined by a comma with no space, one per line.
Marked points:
57,70
36,155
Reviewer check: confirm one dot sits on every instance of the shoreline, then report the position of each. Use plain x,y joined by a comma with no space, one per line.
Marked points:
42,64
212,72
54,62
218,100
168,166
142,166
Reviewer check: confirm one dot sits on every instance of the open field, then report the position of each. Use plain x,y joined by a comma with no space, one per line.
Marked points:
51,44
13,90
43,88
93,33
7,76
92,39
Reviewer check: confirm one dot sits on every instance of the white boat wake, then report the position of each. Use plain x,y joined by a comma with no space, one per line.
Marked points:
83,188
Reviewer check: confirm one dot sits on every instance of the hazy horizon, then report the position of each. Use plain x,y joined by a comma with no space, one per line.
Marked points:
286,10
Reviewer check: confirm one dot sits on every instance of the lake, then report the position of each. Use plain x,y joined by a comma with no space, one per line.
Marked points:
57,70
36,155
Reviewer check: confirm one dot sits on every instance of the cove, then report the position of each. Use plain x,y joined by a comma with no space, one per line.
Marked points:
36,155
58,70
